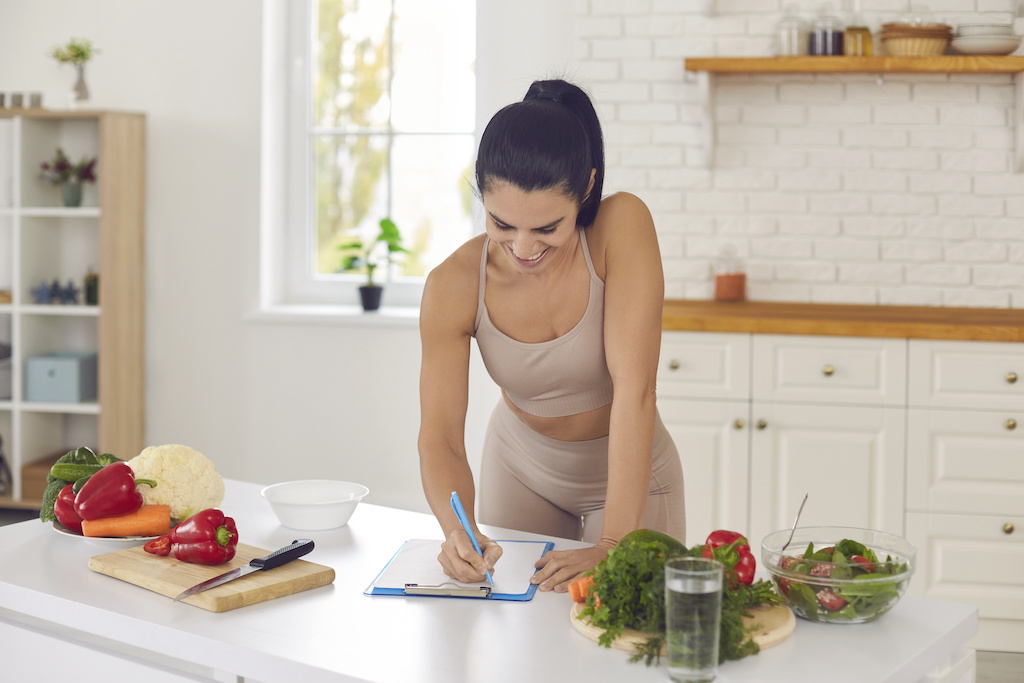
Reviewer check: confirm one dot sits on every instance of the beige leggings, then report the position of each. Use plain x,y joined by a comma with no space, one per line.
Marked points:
533,483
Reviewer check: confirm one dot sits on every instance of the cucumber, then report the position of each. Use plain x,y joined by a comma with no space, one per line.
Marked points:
81,462
71,472
80,483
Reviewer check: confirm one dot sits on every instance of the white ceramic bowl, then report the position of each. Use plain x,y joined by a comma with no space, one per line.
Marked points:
985,30
986,45
314,504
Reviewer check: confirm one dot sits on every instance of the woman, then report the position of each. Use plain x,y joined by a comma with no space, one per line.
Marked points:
564,295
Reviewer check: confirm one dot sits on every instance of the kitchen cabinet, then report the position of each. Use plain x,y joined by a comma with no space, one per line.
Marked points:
704,401
714,447
806,423
42,241
916,427
965,469
849,459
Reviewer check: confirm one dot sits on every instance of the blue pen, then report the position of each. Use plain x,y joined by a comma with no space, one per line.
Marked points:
460,512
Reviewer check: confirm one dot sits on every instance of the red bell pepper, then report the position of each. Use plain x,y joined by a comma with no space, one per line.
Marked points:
159,546
110,493
64,509
207,537
733,551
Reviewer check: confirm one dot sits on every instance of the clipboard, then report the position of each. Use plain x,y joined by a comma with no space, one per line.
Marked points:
415,571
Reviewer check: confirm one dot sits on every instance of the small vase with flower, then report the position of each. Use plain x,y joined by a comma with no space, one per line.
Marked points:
70,177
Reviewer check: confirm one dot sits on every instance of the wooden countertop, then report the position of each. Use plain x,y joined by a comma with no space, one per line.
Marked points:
905,322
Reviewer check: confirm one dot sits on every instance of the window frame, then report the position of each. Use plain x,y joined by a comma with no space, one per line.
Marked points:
287,276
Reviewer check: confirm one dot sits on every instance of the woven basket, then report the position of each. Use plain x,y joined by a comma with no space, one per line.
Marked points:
904,40
915,47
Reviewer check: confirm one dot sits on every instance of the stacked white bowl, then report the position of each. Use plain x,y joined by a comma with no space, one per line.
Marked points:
985,39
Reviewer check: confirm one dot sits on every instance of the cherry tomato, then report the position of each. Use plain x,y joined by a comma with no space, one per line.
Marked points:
822,569
829,600
864,562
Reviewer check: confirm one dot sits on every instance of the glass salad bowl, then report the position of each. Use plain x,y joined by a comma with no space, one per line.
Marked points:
839,575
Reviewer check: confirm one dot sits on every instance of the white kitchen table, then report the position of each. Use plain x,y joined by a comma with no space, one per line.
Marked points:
61,621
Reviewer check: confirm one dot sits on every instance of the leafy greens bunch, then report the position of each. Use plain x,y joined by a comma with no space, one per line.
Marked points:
629,592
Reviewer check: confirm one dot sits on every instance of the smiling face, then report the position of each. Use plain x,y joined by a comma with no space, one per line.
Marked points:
530,227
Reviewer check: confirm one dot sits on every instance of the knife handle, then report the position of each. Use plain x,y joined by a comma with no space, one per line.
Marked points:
297,549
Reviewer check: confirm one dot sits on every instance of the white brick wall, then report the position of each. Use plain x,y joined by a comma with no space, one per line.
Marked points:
833,188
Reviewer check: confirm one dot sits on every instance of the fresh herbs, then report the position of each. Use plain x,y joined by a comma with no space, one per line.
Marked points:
629,592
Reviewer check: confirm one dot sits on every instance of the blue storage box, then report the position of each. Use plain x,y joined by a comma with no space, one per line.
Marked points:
63,377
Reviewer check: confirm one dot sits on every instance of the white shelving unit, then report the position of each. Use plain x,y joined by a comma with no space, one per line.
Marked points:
42,241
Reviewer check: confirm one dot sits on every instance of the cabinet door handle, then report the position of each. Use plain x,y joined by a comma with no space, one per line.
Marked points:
1011,377
828,370
1008,528
761,424
673,364
739,423
1011,424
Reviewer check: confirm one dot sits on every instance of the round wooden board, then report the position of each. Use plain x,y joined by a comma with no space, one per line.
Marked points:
771,625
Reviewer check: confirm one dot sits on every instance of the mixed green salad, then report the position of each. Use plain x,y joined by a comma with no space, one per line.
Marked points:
844,582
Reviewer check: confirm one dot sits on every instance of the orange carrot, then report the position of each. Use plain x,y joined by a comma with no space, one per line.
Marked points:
580,587
148,520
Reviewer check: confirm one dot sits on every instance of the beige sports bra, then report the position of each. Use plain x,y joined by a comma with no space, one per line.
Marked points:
562,376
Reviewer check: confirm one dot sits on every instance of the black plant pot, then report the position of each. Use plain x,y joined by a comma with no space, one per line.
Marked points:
370,296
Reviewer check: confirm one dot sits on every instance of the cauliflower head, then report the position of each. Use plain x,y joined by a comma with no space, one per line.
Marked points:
186,480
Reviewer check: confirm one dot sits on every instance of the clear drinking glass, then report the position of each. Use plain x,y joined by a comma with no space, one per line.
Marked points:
693,615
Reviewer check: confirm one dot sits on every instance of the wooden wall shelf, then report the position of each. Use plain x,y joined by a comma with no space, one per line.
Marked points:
874,65
707,68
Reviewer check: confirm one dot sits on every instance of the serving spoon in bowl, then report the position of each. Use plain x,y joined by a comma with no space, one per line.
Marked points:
793,530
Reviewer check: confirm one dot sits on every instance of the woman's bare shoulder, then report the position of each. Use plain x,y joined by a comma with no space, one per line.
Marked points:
623,206
452,286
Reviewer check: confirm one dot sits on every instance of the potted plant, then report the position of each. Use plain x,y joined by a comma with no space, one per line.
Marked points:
77,52
60,171
360,254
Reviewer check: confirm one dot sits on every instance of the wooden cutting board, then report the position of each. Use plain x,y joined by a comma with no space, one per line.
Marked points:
769,625
168,576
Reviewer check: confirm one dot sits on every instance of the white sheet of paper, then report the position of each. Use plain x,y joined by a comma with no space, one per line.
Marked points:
417,563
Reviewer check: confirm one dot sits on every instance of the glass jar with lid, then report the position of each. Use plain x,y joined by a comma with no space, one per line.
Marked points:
730,276
791,35
826,37
857,41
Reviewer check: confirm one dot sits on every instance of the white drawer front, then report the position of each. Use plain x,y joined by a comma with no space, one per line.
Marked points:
965,461
830,369
971,559
704,365
967,374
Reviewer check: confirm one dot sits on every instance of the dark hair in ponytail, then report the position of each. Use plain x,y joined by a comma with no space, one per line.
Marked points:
550,140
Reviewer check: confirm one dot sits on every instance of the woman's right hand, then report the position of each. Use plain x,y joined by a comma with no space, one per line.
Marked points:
461,562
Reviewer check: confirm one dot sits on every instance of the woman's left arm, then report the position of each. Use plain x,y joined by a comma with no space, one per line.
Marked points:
633,302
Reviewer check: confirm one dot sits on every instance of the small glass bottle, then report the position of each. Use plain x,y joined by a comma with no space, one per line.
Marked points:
857,36
730,276
91,288
826,34
791,35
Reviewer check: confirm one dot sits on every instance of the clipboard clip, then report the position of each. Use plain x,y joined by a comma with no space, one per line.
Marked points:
452,590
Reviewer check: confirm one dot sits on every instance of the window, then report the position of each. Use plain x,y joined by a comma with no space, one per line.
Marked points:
373,104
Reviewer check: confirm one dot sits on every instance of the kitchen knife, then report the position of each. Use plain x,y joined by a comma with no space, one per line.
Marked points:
297,549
